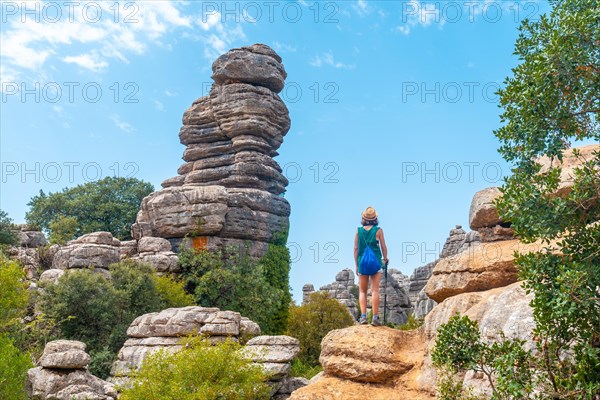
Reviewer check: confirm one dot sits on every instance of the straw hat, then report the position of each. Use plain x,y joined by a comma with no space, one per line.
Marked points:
369,214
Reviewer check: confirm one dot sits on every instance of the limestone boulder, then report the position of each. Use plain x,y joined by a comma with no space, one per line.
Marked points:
64,354
49,384
272,349
481,267
51,275
568,165
483,212
97,249
153,245
366,354
176,322
504,311
257,64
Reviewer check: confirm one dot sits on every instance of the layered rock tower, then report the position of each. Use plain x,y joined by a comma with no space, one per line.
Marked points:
229,189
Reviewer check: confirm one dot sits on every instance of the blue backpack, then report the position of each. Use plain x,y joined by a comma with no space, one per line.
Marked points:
369,263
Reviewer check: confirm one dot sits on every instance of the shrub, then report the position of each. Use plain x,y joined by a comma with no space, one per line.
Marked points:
310,323
505,364
301,369
62,229
14,296
233,282
13,370
200,371
7,235
87,306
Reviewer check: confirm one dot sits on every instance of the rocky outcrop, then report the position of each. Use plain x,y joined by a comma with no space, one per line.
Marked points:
164,330
97,249
28,236
62,375
30,242
568,165
481,267
275,354
228,191
157,252
367,362
344,290
500,311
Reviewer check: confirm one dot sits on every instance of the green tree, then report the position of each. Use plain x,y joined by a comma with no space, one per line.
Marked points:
110,204
276,266
230,280
62,229
310,323
14,296
505,364
87,306
200,371
13,370
551,101
7,235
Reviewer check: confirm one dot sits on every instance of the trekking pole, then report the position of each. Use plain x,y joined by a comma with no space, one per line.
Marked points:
385,267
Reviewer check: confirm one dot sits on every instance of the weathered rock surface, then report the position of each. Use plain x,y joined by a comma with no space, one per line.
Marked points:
500,311
157,252
51,275
483,213
367,362
568,166
164,330
343,290
228,191
64,354
481,267
97,249
274,354
62,375
30,238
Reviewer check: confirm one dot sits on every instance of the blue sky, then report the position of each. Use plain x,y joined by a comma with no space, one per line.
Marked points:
392,105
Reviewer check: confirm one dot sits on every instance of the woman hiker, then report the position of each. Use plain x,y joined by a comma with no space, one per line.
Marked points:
371,235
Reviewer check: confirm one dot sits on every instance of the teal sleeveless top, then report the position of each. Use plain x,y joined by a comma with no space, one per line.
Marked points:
369,237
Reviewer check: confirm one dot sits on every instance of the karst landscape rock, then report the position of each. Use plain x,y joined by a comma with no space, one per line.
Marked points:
228,192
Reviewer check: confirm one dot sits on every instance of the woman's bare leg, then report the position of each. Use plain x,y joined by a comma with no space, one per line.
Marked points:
375,292
363,284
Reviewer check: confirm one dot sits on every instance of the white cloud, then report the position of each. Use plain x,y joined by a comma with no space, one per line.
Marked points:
284,47
327,59
31,49
122,125
91,61
158,105
169,93
419,13
361,7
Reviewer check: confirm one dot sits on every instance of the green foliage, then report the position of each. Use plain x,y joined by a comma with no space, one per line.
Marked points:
13,370
87,306
450,387
171,292
506,365
410,324
276,267
7,235
14,296
310,323
551,101
62,229
110,204
200,371
457,344
301,369
232,282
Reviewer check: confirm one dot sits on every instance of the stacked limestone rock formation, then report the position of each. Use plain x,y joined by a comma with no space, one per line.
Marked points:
157,252
229,189
365,362
29,240
274,354
480,281
97,249
165,329
62,375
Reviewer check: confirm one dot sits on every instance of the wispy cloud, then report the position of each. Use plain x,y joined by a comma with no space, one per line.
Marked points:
283,47
92,61
327,59
419,13
158,105
122,125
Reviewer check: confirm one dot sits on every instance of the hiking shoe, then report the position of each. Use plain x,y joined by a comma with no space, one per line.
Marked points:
376,322
363,321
